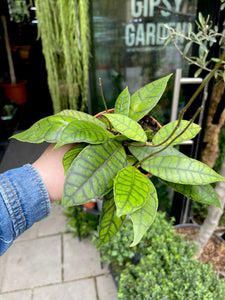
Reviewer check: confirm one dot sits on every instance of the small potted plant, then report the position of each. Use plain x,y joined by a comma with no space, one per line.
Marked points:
114,153
14,89
8,112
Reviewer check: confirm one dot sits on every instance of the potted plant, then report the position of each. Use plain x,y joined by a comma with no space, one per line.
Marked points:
114,153
20,11
14,90
8,112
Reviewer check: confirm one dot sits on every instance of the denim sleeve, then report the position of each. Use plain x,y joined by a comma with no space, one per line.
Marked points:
24,200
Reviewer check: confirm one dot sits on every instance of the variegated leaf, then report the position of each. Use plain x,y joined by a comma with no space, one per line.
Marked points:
127,127
166,131
144,217
131,190
48,129
92,172
143,152
79,115
183,170
146,98
83,131
71,155
109,223
122,104
200,193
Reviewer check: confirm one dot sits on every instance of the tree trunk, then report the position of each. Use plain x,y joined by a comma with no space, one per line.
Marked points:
213,217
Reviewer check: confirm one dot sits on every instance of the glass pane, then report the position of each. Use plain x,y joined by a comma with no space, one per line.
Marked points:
128,45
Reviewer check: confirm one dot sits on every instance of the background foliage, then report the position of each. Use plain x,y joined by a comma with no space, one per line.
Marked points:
64,29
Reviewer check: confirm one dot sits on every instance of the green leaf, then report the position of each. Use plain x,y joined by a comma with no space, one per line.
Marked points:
143,152
83,131
183,170
200,193
146,98
217,59
198,72
187,47
92,172
79,115
131,190
48,129
121,138
71,155
144,217
189,28
201,19
131,160
122,104
127,127
109,223
166,131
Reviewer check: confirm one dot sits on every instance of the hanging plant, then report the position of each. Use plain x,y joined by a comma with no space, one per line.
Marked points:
63,26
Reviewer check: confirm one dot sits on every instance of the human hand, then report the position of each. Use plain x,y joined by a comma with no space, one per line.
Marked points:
49,166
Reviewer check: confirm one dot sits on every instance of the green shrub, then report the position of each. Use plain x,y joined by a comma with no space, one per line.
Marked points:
163,276
118,249
88,223
169,271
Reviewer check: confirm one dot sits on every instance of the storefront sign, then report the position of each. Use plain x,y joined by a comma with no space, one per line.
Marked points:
149,17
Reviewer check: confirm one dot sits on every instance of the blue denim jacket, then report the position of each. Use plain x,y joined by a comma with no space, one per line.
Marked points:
24,200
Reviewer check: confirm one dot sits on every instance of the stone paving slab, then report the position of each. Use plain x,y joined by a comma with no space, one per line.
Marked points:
29,234
106,288
33,263
2,269
77,290
55,223
43,264
23,295
81,259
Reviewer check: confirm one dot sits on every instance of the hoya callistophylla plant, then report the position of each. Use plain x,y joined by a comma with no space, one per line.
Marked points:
112,151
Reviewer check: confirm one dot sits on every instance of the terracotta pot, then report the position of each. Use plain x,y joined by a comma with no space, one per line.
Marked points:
112,109
89,205
16,92
103,112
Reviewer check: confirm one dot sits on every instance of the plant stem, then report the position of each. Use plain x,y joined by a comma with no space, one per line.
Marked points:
195,95
101,91
171,142
189,59
202,85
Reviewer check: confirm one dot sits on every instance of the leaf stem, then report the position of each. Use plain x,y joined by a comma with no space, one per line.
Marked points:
102,95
